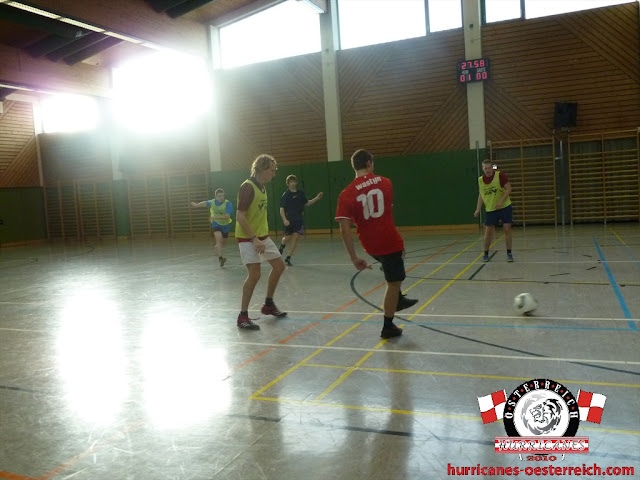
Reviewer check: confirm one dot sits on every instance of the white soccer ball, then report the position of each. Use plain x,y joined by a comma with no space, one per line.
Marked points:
524,303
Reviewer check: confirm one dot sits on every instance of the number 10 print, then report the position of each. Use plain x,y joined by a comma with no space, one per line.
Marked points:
372,208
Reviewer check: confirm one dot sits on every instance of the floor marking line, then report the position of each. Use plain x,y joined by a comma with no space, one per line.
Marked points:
614,285
471,375
449,354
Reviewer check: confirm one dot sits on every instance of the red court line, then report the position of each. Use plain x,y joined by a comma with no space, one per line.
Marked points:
337,310
14,476
67,465
110,441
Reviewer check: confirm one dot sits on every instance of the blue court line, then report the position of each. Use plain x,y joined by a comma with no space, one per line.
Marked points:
468,325
616,289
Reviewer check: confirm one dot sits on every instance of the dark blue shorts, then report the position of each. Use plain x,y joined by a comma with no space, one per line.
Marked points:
505,214
294,227
224,229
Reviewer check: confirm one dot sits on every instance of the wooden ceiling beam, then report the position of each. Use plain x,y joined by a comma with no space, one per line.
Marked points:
20,69
135,18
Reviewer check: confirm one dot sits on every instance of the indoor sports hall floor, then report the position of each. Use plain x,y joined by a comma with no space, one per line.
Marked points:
121,360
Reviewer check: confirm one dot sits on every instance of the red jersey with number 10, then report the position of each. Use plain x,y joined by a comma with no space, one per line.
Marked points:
368,202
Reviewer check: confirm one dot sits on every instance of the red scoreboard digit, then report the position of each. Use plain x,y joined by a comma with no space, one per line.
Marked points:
473,70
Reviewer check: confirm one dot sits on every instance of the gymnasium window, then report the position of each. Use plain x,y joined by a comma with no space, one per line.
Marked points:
499,10
444,15
161,92
369,22
69,113
290,28
543,8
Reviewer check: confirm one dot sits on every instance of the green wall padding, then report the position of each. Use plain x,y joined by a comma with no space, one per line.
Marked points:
121,208
429,189
23,215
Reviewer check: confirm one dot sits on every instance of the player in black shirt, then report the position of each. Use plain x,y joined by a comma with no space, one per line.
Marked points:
292,205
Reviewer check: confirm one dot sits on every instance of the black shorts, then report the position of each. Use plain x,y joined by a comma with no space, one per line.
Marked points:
224,230
392,266
294,227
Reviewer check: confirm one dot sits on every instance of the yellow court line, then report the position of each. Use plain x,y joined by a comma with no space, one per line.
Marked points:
618,237
446,263
471,375
450,282
416,413
280,377
353,368
368,409
299,364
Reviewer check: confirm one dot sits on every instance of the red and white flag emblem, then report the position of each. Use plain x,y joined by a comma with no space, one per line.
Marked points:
590,406
492,406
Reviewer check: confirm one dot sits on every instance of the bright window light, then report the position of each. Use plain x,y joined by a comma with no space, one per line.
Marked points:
288,29
161,92
543,8
444,15
69,113
369,22
499,10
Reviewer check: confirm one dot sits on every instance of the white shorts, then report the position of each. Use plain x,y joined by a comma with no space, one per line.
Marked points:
248,252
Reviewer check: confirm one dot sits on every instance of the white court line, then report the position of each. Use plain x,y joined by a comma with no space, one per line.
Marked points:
413,352
447,315
446,354
21,330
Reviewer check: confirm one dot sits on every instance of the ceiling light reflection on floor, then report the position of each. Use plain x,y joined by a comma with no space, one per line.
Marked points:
91,357
182,378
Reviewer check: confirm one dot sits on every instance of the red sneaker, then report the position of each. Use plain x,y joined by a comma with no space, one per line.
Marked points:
272,310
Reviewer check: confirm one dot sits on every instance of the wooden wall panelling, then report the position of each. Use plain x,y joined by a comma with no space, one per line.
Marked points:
590,57
183,190
530,167
18,155
403,97
68,157
273,107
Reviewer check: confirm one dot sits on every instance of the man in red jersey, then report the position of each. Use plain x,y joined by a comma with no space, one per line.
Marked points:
367,202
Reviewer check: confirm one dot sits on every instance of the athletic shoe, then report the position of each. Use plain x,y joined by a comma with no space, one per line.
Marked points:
272,310
245,323
404,302
509,257
288,261
390,332
485,257
281,248
222,261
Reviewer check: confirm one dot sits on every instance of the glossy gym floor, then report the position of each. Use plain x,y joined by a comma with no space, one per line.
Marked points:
121,359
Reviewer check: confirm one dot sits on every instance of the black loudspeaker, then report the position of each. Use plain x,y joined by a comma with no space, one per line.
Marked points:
565,115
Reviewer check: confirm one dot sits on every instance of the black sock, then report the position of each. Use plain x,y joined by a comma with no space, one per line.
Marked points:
244,312
268,301
486,252
388,321
220,257
289,257
509,251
